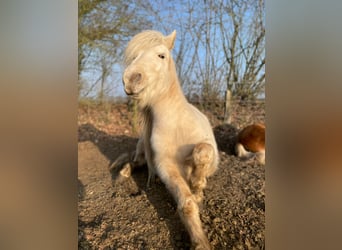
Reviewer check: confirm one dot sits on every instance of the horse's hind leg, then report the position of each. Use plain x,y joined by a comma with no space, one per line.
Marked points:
261,157
203,158
242,153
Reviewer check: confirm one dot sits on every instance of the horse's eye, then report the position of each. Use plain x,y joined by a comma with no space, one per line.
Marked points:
162,56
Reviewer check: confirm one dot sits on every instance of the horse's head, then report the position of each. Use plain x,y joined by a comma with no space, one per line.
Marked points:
149,66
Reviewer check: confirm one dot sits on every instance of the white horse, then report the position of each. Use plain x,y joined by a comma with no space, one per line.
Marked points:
177,141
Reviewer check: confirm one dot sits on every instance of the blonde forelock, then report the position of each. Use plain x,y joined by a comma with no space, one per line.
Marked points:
142,41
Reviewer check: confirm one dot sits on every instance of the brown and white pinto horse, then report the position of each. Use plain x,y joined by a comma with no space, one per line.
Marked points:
251,142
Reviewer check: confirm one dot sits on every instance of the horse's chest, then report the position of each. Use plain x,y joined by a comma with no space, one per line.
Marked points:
164,137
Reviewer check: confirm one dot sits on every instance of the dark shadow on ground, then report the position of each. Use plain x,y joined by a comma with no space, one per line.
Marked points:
135,185
165,206
80,188
225,136
107,144
94,222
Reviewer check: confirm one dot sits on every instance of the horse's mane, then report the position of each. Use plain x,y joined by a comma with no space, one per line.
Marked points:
142,41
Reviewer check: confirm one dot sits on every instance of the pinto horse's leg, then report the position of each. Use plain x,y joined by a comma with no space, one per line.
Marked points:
242,153
261,157
186,204
203,157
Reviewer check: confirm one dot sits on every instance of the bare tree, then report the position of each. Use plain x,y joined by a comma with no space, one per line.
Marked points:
104,29
243,45
220,44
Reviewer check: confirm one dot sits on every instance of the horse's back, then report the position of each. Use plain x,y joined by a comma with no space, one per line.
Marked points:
252,137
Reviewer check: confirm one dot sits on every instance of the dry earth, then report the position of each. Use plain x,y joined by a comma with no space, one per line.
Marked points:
123,214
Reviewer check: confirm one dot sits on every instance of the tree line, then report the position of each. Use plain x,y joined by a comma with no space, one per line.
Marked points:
220,44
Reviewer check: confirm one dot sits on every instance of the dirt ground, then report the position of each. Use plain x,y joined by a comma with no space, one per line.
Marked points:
124,214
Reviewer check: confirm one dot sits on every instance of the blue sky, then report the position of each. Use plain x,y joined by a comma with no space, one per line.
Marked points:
173,20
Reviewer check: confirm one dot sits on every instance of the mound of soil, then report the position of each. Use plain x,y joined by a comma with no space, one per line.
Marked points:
123,214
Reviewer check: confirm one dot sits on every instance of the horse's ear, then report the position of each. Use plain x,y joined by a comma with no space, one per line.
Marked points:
170,40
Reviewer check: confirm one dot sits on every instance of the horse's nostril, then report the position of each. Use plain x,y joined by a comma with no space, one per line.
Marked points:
135,78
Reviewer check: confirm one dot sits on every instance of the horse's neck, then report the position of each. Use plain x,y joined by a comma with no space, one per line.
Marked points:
171,101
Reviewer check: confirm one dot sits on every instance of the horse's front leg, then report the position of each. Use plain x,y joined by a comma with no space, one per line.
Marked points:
143,155
203,157
148,156
139,154
151,176
186,203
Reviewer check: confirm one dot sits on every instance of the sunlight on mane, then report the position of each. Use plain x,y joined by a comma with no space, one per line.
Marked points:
142,41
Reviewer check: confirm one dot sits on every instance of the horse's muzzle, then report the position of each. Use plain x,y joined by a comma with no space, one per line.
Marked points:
135,78
132,83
